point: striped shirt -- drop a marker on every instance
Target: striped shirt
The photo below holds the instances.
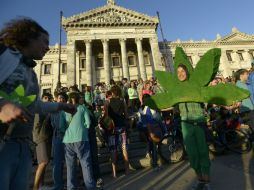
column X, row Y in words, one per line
column 192, row 111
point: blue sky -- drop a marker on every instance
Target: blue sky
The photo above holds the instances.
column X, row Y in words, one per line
column 183, row 19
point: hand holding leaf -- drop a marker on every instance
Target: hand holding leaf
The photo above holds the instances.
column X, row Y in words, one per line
column 13, row 107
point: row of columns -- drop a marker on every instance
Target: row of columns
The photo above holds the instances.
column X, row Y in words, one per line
column 105, row 42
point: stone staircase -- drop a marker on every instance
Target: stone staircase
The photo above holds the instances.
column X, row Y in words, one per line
column 137, row 151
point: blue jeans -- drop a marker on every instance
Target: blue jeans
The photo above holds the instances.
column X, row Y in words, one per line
column 15, row 165
column 94, row 153
column 80, row 150
column 58, row 163
column 152, row 149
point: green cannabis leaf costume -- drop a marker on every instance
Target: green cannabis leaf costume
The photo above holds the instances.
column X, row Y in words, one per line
column 18, row 96
column 196, row 88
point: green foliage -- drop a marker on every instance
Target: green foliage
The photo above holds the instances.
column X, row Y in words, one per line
column 195, row 89
column 207, row 67
column 18, row 96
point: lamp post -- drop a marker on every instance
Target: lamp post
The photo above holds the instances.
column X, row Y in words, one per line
column 168, row 63
column 58, row 86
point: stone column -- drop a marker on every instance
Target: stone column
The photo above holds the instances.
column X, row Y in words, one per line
column 106, row 60
column 71, row 60
column 235, row 57
column 196, row 58
column 124, row 59
column 236, row 60
column 89, row 76
column 156, row 52
column 224, row 64
column 77, row 69
column 141, row 59
column 94, row 77
column 247, row 56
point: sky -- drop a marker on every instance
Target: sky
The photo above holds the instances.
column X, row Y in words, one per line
column 180, row 19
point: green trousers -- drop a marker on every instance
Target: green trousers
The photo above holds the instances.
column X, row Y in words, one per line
column 196, row 148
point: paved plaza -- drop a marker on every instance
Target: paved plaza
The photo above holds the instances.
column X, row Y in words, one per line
column 229, row 172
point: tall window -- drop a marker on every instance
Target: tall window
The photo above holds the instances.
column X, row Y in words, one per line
column 240, row 54
column 190, row 59
column 146, row 60
column 83, row 86
column 115, row 61
column 131, row 60
column 82, row 63
column 228, row 53
column 251, row 52
column 64, row 68
column 99, row 62
column 47, row 69
column 163, row 61
column 46, row 90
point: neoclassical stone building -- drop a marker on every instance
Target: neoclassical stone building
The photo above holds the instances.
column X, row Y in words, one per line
column 109, row 42
column 237, row 50
column 115, row 42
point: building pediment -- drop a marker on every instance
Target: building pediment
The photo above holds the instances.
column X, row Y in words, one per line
column 109, row 15
column 236, row 36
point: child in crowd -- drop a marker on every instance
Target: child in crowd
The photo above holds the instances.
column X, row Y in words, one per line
column 149, row 124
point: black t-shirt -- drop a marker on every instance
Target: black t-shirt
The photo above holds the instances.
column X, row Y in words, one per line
column 116, row 111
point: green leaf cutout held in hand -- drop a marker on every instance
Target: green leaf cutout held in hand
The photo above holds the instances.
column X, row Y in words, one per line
column 18, row 96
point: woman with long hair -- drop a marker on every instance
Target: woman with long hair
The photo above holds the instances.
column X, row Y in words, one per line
column 116, row 109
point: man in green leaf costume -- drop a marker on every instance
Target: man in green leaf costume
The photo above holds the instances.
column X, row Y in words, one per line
column 188, row 89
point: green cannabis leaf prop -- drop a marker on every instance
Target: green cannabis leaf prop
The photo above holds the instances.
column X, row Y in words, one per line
column 18, row 96
column 195, row 89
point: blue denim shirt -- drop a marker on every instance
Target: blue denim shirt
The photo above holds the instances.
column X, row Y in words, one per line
column 246, row 104
column 250, row 84
column 22, row 74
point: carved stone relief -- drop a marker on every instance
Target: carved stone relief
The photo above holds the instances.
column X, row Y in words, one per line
column 109, row 17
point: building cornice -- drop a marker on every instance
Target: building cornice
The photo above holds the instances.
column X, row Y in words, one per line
column 234, row 38
column 207, row 44
column 55, row 50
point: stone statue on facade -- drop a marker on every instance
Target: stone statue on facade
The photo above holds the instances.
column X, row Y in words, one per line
column 111, row 2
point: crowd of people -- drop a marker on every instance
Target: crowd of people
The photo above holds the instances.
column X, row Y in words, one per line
column 66, row 124
column 107, row 105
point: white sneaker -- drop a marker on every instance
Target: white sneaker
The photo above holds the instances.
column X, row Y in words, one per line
column 99, row 183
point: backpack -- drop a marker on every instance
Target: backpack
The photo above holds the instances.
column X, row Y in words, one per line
column 147, row 117
column 107, row 124
column 153, row 126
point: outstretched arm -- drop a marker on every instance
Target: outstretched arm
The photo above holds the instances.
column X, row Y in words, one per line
column 10, row 112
